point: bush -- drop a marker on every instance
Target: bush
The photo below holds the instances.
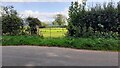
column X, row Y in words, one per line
column 79, row 43
column 99, row 21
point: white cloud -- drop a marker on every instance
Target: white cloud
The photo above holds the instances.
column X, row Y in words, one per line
column 42, row 16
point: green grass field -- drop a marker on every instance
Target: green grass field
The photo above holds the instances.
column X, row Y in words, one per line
column 53, row 32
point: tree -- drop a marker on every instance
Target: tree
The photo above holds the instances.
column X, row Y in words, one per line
column 54, row 23
column 99, row 21
column 76, row 21
column 73, row 19
column 11, row 23
column 34, row 23
column 44, row 25
column 118, row 18
column 59, row 20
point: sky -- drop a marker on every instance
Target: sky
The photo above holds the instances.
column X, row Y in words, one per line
column 44, row 10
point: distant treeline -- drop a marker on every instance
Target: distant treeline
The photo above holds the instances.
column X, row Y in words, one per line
column 100, row 20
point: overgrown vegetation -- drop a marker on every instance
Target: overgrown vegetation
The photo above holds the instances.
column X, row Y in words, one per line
column 34, row 23
column 100, row 21
column 79, row 43
column 11, row 23
column 97, row 28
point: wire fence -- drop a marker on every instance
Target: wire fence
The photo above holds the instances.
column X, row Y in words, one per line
column 53, row 32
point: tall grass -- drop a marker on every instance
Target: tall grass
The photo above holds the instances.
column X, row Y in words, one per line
column 79, row 43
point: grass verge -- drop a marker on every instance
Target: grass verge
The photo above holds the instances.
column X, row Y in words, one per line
column 79, row 43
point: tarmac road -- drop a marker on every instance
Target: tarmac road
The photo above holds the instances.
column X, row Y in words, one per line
column 55, row 56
